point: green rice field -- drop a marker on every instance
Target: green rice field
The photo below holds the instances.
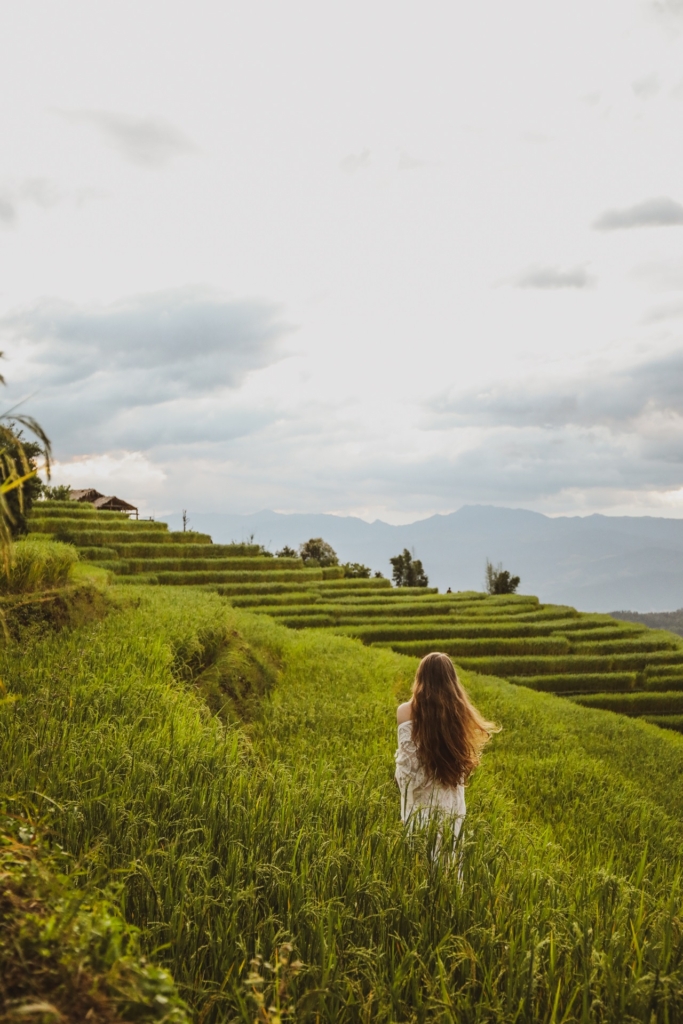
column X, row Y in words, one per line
column 227, row 783
column 552, row 648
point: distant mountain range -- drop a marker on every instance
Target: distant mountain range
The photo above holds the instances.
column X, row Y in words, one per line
column 596, row 563
column 673, row 621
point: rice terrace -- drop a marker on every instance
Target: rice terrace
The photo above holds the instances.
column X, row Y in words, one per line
column 200, row 819
column 341, row 512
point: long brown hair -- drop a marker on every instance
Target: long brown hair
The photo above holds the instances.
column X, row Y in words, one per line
column 448, row 731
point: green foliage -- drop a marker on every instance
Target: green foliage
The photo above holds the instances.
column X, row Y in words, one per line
column 271, row 567
column 585, row 681
column 470, row 647
column 18, row 459
column 188, row 578
column 510, row 666
column 286, row 552
column 669, row 682
column 317, row 552
column 545, row 647
column 38, row 565
column 635, row 703
column 674, row 722
column 356, row 571
column 407, row 571
column 672, row 621
column 19, row 484
column 59, row 492
column 499, row 580
column 68, row 954
column 232, row 840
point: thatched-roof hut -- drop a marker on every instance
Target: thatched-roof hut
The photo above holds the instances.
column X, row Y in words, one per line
column 86, row 494
column 103, row 502
column 114, row 504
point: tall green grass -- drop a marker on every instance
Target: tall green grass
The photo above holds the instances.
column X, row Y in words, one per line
column 674, row 722
column 38, row 565
column 665, row 703
column 508, row 666
column 228, row 840
column 217, row 564
column 238, row 577
column 585, row 681
column 65, row 952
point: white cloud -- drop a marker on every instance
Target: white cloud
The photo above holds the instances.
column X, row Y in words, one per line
column 652, row 213
column 406, row 162
column 647, row 86
column 555, row 277
column 36, row 191
column 309, row 125
column 129, row 469
column 147, row 370
column 355, row 162
column 146, row 141
column 616, row 400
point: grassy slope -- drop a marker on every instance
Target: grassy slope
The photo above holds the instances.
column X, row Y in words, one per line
column 230, row 840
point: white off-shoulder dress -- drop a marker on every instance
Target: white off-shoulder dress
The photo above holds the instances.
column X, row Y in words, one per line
column 421, row 797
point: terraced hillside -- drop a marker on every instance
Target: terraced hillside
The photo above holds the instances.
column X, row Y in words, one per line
column 142, row 551
column 592, row 659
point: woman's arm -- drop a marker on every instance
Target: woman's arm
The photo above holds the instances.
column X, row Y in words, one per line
column 404, row 712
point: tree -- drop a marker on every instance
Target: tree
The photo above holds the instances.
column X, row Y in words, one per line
column 18, row 461
column 17, row 469
column 407, row 571
column 317, row 551
column 356, row 571
column 286, row 552
column 499, row 580
column 60, row 492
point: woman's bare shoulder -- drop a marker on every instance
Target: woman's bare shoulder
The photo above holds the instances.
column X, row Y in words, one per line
column 404, row 712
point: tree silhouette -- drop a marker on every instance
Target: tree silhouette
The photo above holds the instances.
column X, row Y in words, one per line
column 499, row 580
column 407, row 571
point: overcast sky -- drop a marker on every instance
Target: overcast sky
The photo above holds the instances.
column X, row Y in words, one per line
column 373, row 258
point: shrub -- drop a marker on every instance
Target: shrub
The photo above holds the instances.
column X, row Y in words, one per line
column 61, row 492
column 356, row 571
column 407, row 571
column 317, row 552
column 38, row 565
column 65, row 954
column 499, row 580
column 286, row 552
column 18, row 458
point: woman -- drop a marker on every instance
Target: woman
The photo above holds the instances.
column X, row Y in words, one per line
column 440, row 739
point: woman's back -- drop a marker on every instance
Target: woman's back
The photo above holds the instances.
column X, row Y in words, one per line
column 440, row 737
column 420, row 793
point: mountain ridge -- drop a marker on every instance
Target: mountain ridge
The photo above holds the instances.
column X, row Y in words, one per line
column 595, row 562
